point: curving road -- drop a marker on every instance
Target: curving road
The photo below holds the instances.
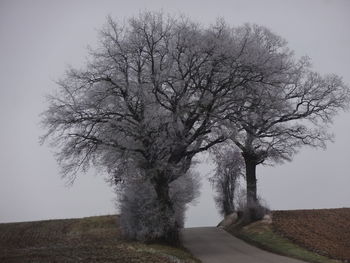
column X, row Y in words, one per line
column 214, row 245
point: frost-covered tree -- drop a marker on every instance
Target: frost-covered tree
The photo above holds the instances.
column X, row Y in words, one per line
column 288, row 107
column 146, row 102
column 141, row 218
column 225, row 180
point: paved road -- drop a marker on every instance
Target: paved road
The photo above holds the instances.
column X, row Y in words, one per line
column 214, row 245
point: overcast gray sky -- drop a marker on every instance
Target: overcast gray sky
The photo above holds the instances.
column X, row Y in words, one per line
column 38, row 39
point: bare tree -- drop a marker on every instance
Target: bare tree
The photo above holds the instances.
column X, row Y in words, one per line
column 288, row 107
column 146, row 102
column 229, row 169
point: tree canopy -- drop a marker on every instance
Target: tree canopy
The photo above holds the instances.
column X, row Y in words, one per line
column 158, row 90
column 147, row 100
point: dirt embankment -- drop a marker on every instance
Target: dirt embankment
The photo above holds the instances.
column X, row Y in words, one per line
column 325, row 231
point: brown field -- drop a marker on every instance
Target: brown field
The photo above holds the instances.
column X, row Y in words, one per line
column 92, row 239
column 324, row 231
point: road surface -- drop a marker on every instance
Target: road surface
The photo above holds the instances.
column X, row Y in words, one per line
column 214, row 245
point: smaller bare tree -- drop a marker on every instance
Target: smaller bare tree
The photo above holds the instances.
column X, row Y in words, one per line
column 225, row 181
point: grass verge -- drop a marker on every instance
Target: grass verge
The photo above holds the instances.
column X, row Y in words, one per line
column 261, row 235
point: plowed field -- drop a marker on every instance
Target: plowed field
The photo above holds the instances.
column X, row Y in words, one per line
column 324, row 231
column 92, row 239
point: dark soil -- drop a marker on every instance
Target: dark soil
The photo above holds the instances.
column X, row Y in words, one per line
column 324, row 231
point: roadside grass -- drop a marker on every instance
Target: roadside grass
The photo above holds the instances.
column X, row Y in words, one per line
column 91, row 239
column 260, row 234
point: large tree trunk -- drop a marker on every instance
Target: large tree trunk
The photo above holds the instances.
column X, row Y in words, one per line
column 161, row 182
column 250, row 164
column 255, row 211
column 171, row 227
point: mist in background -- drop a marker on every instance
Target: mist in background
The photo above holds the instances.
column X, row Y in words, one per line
column 39, row 39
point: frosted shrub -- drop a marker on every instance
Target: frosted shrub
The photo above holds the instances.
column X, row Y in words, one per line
column 141, row 216
column 144, row 218
column 253, row 211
